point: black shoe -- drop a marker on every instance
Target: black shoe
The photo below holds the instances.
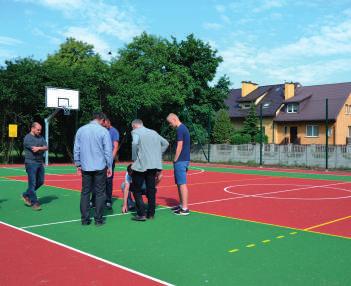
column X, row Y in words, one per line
column 176, row 208
column 151, row 217
column 139, row 218
column 108, row 206
column 182, row 212
column 87, row 222
column 99, row 223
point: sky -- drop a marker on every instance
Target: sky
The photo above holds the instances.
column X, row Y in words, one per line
column 263, row 41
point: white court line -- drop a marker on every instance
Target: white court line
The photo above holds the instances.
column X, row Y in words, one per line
column 75, row 220
column 89, row 255
column 248, row 196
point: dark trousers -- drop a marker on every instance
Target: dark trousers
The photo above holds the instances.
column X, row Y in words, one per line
column 36, row 173
column 93, row 182
column 109, row 187
column 138, row 178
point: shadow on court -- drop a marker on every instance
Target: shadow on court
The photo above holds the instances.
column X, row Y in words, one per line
column 47, row 199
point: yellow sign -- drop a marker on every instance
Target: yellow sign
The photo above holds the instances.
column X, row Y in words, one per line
column 13, row 130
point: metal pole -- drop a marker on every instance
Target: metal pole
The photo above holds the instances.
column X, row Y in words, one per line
column 326, row 134
column 261, row 134
column 209, row 137
column 47, row 140
column 47, row 120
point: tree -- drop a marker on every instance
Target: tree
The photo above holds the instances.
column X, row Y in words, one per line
column 251, row 123
column 223, row 128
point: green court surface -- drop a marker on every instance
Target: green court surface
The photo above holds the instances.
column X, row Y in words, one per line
column 200, row 249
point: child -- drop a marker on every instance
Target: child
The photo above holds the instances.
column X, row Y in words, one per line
column 127, row 185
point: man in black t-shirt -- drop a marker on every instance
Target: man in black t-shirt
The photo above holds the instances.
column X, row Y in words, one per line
column 181, row 163
column 34, row 147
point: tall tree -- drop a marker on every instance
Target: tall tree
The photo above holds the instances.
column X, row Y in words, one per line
column 251, row 123
column 223, row 129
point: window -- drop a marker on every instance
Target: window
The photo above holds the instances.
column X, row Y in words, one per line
column 349, row 127
column 246, row 105
column 292, row 108
column 266, row 105
column 285, row 130
column 312, row 130
column 347, row 109
column 330, row 132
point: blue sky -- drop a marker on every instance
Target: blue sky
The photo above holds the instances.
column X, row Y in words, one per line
column 264, row 41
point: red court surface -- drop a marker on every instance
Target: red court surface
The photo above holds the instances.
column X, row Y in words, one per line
column 290, row 202
column 40, row 262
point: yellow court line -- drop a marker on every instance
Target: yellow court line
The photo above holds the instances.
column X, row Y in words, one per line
column 328, row 222
column 266, row 241
column 250, row 245
column 280, row 236
column 233, row 250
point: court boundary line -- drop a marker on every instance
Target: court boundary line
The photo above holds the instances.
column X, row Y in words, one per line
column 327, row 223
column 89, row 255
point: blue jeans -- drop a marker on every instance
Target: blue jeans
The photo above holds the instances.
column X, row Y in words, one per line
column 36, row 173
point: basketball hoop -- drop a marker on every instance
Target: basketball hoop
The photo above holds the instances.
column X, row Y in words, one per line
column 66, row 110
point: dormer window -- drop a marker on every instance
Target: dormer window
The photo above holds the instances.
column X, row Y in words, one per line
column 245, row 105
column 292, row 108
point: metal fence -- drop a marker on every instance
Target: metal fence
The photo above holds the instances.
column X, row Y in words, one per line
column 339, row 156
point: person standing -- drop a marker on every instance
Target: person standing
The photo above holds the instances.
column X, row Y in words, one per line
column 93, row 158
column 147, row 149
column 34, row 148
column 114, row 134
column 181, row 163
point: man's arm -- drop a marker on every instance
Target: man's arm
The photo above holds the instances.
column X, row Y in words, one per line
column 125, row 197
column 135, row 145
column 76, row 151
column 178, row 150
column 115, row 150
column 164, row 144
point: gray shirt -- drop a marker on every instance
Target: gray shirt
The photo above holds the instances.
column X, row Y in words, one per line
column 92, row 147
column 147, row 149
column 33, row 141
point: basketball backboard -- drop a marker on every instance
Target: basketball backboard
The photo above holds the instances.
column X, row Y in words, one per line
column 61, row 98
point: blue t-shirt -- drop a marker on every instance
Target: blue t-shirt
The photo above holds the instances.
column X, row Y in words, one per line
column 113, row 134
column 184, row 135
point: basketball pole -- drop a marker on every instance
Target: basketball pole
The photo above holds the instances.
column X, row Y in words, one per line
column 47, row 123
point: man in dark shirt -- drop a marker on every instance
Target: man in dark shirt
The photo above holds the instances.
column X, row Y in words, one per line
column 34, row 148
column 181, row 163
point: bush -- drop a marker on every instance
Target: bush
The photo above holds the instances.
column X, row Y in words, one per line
column 239, row 138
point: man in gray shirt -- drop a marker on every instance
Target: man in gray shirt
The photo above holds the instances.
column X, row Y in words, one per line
column 93, row 158
column 34, row 147
column 147, row 149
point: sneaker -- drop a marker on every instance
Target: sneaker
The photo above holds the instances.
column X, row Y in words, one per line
column 36, row 207
column 27, row 201
column 150, row 217
column 176, row 208
column 139, row 218
column 87, row 222
column 99, row 223
column 108, row 206
column 182, row 212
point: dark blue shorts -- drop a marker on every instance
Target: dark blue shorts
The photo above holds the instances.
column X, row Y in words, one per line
column 180, row 170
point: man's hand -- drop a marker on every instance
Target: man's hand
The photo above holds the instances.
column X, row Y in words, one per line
column 36, row 149
column 124, row 208
column 109, row 173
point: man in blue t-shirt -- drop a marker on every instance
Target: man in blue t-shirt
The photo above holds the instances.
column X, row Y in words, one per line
column 181, row 163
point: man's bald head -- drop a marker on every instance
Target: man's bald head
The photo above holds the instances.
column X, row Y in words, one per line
column 173, row 120
column 35, row 129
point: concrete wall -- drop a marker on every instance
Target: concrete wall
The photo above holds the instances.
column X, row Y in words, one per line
column 289, row 155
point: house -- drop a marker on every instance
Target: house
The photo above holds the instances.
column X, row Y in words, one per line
column 303, row 120
column 271, row 97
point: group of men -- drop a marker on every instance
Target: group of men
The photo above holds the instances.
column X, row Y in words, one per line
column 95, row 150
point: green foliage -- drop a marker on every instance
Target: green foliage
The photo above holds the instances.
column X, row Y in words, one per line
column 149, row 78
column 258, row 138
column 251, row 124
column 223, row 128
column 240, row 138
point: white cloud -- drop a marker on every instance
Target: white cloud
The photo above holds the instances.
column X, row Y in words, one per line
column 97, row 17
column 83, row 34
column 212, row 26
column 9, row 41
column 268, row 5
column 309, row 59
